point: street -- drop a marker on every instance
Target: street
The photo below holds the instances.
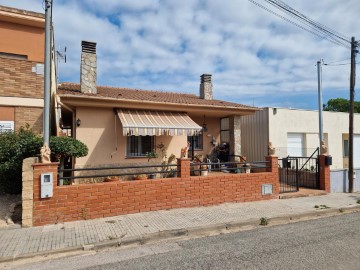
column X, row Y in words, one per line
column 327, row 243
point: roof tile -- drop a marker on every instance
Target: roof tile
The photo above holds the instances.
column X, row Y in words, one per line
column 73, row 89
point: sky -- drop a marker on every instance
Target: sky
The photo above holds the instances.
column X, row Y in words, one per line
column 255, row 58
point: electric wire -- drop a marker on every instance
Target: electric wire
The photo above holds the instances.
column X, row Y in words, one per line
column 286, row 8
column 316, row 29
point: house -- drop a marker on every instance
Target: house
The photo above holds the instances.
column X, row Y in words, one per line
column 21, row 69
column 296, row 133
column 121, row 125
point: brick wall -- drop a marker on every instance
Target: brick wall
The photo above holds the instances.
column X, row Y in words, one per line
column 31, row 116
column 18, row 79
column 124, row 197
column 324, row 172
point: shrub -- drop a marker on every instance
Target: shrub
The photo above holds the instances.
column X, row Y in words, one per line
column 14, row 147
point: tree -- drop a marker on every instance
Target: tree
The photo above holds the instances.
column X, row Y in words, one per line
column 340, row 105
column 16, row 146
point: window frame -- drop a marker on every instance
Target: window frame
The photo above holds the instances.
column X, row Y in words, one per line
column 346, row 148
column 138, row 153
column 224, row 130
column 200, row 135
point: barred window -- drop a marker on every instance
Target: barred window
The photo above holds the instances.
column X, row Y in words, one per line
column 198, row 141
column 138, row 146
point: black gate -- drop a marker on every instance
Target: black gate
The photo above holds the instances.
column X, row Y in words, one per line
column 295, row 172
column 288, row 175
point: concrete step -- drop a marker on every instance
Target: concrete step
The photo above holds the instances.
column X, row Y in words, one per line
column 302, row 193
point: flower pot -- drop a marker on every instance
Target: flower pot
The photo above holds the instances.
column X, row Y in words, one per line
column 204, row 173
column 140, row 177
column 112, row 179
column 152, row 176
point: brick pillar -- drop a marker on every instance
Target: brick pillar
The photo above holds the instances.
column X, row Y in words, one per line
column 272, row 163
column 274, row 169
column 184, row 167
column 40, row 168
column 324, row 172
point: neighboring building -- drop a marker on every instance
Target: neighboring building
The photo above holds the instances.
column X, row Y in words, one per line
column 296, row 133
column 120, row 125
column 21, row 69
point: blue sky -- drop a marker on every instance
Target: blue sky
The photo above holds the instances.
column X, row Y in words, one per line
column 255, row 58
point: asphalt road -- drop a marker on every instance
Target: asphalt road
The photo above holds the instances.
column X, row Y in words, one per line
column 327, row 243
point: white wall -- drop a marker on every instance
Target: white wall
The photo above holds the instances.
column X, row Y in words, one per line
column 258, row 130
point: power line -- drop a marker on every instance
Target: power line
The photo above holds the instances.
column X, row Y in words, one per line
column 287, row 9
column 316, row 29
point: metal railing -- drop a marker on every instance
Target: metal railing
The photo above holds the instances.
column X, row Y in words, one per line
column 235, row 167
column 66, row 176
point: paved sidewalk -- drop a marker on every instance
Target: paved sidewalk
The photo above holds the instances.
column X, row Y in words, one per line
column 132, row 228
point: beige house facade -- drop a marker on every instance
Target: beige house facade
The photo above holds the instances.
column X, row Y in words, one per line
column 296, row 133
column 120, row 125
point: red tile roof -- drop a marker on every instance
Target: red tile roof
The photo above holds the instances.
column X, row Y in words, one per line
column 72, row 89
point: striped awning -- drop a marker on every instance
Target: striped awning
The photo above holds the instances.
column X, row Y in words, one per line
column 156, row 123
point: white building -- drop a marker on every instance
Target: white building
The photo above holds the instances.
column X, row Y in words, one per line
column 296, row 133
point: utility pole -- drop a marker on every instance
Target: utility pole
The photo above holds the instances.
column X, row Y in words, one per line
column 351, row 115
column 319, row 70
column 47, row 73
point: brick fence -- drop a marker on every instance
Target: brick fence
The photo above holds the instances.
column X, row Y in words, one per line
column 89, row 201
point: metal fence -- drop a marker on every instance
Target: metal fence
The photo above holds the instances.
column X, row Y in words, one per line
column 153, row 171
column 103, row 174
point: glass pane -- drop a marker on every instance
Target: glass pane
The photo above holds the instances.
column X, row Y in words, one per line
column 198, row 141
column 224, row 124
column 147, row 144
column 346, row 148
column 225, row 136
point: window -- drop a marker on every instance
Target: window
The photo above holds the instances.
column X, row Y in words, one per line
column 198, row 141
column 346, row 148
column 6, row 126
column 138, row 146
column 224, row 130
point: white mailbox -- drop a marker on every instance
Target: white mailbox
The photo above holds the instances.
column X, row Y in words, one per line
column 46, row 185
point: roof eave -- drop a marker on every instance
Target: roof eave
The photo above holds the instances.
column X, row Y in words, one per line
column 127, row 103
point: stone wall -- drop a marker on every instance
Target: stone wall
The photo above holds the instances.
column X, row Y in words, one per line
column 28, row 191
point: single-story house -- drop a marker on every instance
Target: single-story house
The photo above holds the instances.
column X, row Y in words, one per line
column 295, row 132
column 121, row 125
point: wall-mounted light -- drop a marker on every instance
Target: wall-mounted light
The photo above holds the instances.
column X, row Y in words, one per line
column 78, row 122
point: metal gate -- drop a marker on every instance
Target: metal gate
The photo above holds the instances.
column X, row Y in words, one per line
column 296, row 172
column 288, row 175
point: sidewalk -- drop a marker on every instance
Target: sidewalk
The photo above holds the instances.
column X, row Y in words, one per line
column 142, row 227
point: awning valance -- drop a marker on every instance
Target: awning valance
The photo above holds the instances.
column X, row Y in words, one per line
column 156, row 123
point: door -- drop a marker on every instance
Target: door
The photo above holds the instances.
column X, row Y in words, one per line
column 295, row 144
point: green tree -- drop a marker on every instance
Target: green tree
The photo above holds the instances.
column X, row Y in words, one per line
column 341, row 105
column 16, row 146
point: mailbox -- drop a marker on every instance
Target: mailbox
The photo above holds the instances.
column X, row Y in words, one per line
column 46, row 185
column 328, row 160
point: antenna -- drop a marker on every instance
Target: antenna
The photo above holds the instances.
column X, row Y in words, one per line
column 60, row 56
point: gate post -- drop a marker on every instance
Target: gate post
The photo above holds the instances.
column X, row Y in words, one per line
column 183, row 167
column 324, row 174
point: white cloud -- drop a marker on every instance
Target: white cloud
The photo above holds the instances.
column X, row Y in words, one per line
column 167, row 45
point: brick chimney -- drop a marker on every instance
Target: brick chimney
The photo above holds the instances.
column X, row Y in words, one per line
column 206, row 91
column 88, row 67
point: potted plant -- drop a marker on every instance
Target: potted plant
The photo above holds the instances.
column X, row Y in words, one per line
column 112, row 179
column 152, row 155
column 140, row 177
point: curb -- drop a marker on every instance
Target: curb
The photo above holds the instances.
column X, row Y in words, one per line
column 199, row 231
